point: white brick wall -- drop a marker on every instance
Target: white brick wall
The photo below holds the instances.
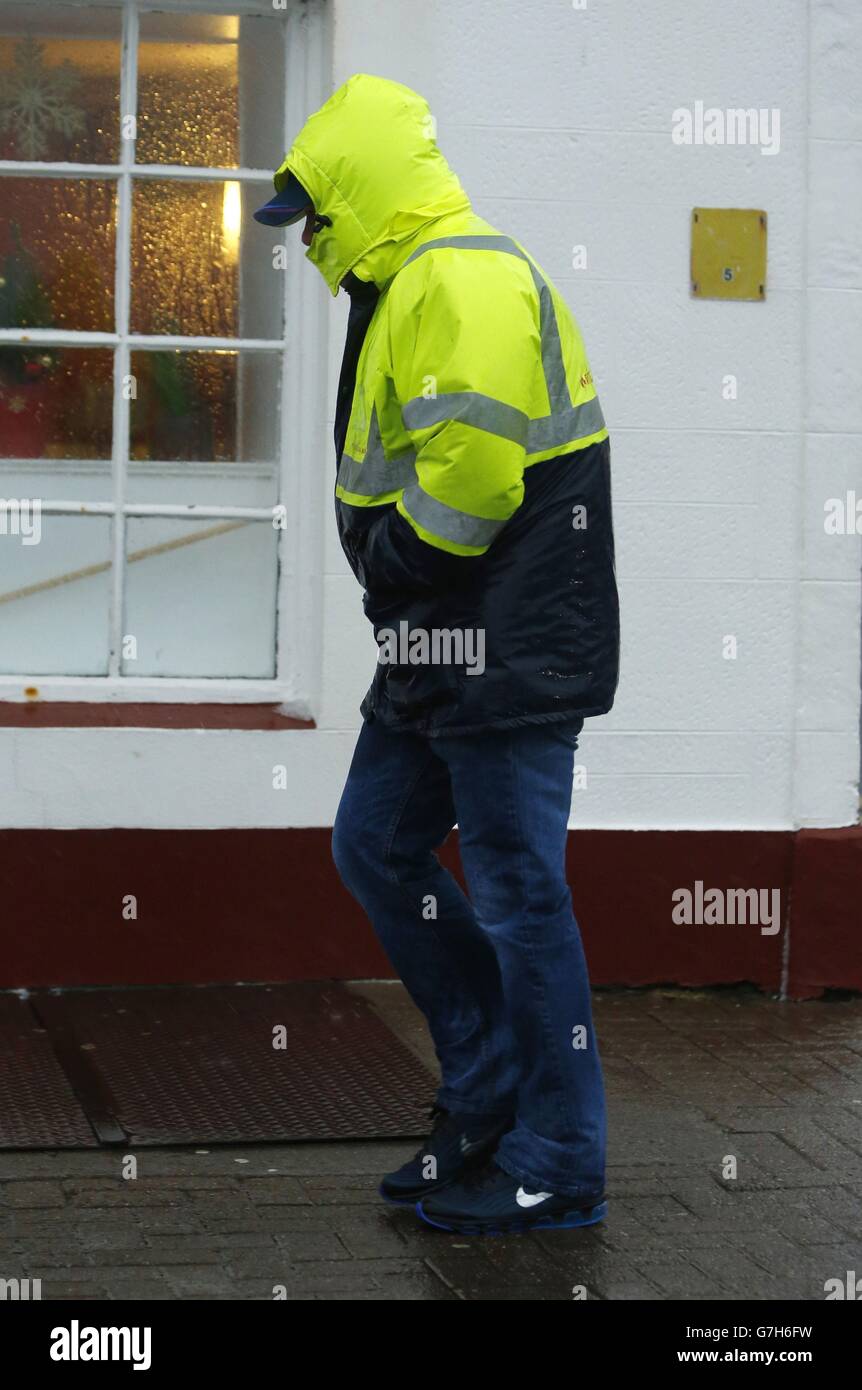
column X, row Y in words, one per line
column 558, row 121
column 825, row 770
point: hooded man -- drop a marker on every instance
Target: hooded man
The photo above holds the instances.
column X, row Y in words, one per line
column 473, row 505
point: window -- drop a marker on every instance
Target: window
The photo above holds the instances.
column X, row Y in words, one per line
column 146, row 437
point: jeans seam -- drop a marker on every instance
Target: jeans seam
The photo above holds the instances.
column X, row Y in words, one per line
column 396, row 820
column 528, row 940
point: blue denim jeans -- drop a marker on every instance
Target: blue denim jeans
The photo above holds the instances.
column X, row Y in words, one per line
column 500, row 977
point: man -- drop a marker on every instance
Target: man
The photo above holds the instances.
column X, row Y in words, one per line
column 473, row 504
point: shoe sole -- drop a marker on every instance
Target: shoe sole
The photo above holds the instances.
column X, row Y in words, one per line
column 564, row 1221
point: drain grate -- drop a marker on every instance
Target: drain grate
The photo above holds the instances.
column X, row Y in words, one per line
column 38, row 1108
column 224, row 1064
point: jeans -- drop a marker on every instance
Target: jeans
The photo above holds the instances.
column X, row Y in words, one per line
column 500, row 977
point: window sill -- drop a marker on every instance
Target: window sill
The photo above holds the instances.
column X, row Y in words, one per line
column 63, row 714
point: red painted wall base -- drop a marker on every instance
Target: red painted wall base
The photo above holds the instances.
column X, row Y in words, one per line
column 267, row 905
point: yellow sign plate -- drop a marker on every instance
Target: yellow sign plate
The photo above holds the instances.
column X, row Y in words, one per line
column 728, row 253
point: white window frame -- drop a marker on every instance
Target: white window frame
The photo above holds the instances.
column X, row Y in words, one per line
column 295, row 685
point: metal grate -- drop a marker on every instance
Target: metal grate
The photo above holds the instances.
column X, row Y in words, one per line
column 38, row 1107
column 193, row 1065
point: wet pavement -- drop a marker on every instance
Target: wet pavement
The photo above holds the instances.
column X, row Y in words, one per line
column 735, row 1172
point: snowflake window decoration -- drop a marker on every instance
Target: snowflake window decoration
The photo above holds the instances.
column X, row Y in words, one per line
column 37, row 100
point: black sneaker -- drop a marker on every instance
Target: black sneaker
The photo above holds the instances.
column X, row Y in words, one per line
column 456, row 1145
column 491, row 1203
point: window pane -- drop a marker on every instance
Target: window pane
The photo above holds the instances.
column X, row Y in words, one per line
column 212, row 406
column 196, row 74
column 59, row 83
column 201, row 265
column 57, row 253
column 56, row 403
column 54, row 598
column 200, row 597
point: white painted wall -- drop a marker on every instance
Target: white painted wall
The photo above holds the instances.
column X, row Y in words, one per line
column 558, row 121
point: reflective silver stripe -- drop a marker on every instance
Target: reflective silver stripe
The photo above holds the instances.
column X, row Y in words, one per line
column 470, row 243
column 447, row 522
column 577, row 422
column 375, row 474
column 473, row 408
column 564, row 426
column 385, row 475
column 552, row 348
column 559, row 395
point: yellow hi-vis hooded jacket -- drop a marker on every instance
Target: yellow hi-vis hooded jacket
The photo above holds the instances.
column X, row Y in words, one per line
column 473, row 484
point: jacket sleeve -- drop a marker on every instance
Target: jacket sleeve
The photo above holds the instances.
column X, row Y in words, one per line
column 465, row 350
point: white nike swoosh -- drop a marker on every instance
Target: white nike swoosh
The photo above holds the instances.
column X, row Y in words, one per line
column 531, row 1199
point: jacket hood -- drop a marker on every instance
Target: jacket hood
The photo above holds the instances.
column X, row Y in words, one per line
column 370, row 162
